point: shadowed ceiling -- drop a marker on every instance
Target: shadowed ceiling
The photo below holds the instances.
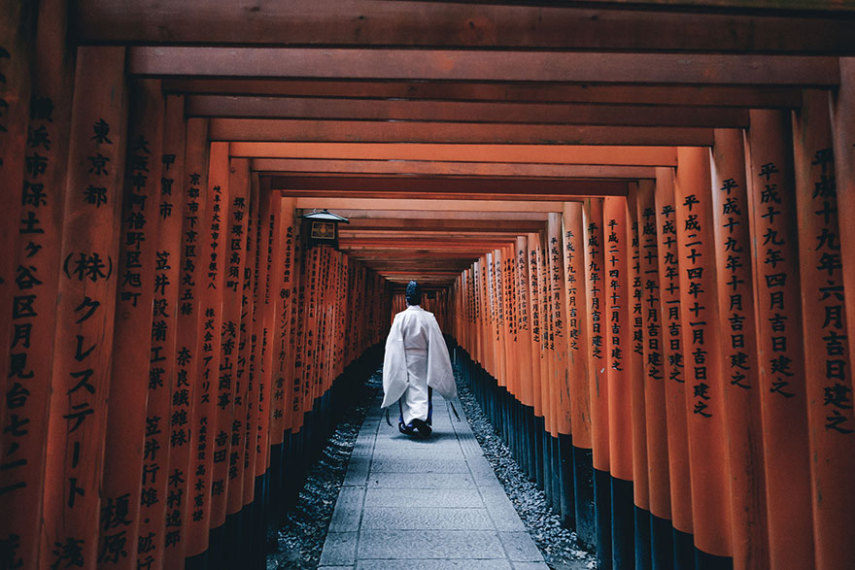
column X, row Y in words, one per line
column 446, row 129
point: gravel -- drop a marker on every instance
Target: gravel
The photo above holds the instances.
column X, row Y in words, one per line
column 298, row 542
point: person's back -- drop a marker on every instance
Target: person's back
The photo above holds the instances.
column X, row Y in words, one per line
column 416, row 357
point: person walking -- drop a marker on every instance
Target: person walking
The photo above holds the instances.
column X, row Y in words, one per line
column 416, row 362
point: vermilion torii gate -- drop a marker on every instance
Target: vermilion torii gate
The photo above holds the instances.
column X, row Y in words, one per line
column 631, row 217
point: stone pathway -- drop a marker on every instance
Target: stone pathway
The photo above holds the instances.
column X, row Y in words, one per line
column 424, row 504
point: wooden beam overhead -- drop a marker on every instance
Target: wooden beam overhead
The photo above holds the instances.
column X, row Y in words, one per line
column 425, row 186
column 430, row 208
column 295, row 130
column 470, row 112
column 357, row 225
column 430, row 168
column 458, row 25
column 427, row 64
column 748, row 96
column 501, row 153
column 435, row 216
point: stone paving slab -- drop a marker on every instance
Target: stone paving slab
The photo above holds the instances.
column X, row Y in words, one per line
column 433, row 504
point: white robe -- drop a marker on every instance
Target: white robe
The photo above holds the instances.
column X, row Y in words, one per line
column 416, row 358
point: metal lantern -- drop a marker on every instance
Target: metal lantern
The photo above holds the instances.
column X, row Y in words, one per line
column 321, row 227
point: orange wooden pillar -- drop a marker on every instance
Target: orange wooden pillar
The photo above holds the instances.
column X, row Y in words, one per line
column 618, row 336
column 656, row 429
column 239, row 282
column 635, row 370
column 577, row 362
column 598, row 363
column 127, row 446
column 828, row 367
column 562, row 441
column 738, row 338
column 780, row 353
column 673, row 351
column 843, row 135
column 256, row 262
column 231, row 256
column 35, row 274
column 270, row 427
column 19, row 160
column 85, row 311
column 708, row 454
column 187, row 385
column 538, row 362
column 204, row 423
column 161, row 498
column 227, row 337
column 523, row 324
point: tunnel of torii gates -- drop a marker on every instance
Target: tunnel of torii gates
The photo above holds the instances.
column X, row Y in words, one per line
column 649, row 297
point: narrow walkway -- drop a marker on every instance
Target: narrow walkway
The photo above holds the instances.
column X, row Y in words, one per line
column 433, row 504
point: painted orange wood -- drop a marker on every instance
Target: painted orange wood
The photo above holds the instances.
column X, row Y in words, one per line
column 828, row 363
column 738, row 337
column 537, row 325
column 524, row 318
column 618, row 336
column 205, row 430
column 159, row 529
column 673, row 350
column 239, row 281
column 17, row 34
column 597, row 328
column 780, row 353
column 126, row 487
column 188, row 384
column 262, row 440
column 576, row 320
column 256, row 263
column 85, row 312
column 35, row 260
column 635, row 356
column 654, row 365
column 705, row 417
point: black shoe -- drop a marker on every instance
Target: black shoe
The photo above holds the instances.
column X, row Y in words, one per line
column 422, row 427
column 405, row 429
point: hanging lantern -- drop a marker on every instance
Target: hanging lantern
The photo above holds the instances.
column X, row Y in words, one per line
column 321, row 227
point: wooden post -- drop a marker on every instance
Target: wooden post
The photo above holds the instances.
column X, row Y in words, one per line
column 259, row 441
column 708, row 455
column 675, row 396
column 597, row 325
column 256, row 261
column 577, row 358
column 241, row 237
column 656, row 429
column 19, row 160
column 828, row 368
column 162, row 483
column 85, row 311
column 635, row 367
column 596, row 328
column 127, row 444
column 231, row 260
column 738, row 337
column 524, row 323
column 208, row 341
column 843, row 135
column 619, row 381
column 187, row 385
column 774, row 252
column 36, row 269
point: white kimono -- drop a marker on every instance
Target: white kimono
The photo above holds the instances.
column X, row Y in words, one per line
column 416, row 358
